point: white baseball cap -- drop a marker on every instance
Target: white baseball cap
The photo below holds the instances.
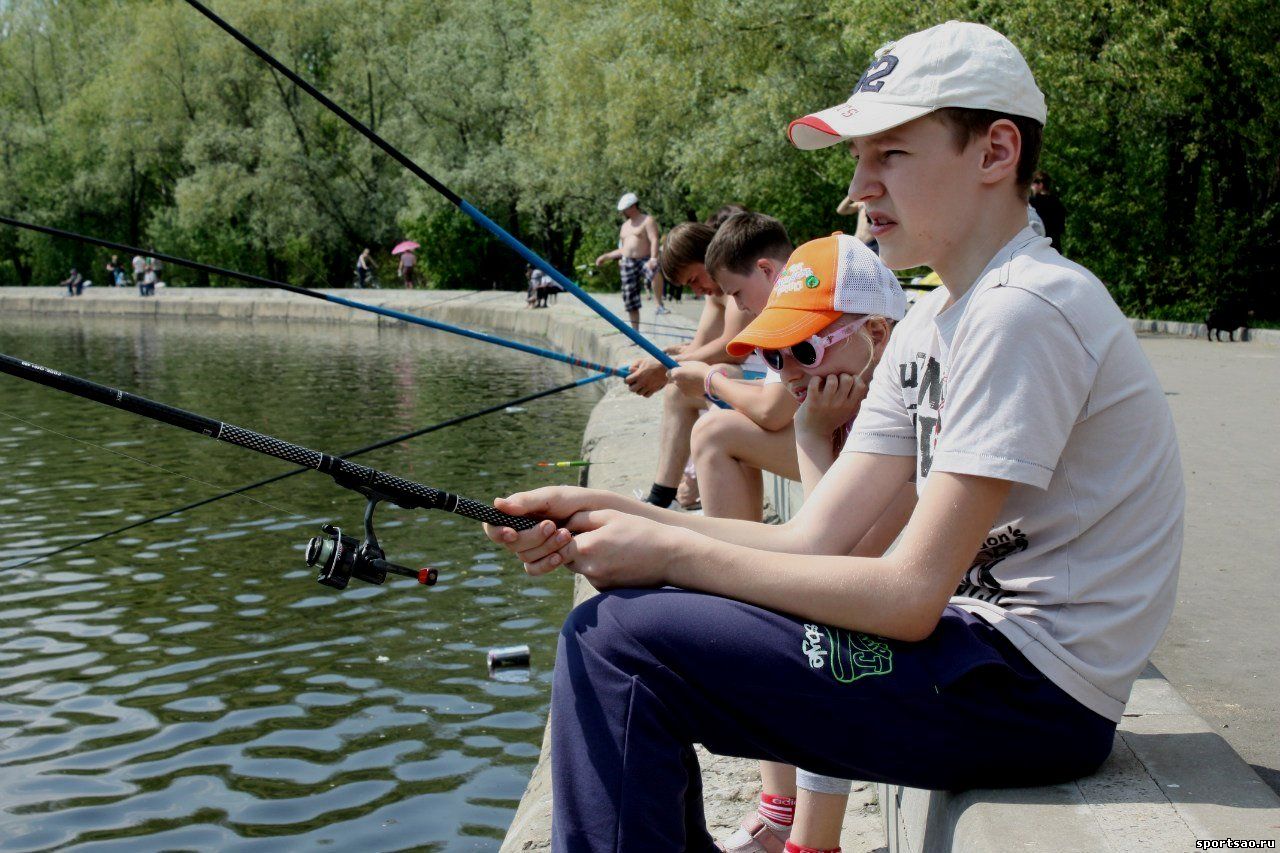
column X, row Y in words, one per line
column 955, row 64
column 626, row 201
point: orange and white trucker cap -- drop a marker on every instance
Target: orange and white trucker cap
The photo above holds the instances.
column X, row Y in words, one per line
column 955, row 64
column 822, row 280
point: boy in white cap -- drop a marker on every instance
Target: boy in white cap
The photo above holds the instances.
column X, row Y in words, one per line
column 637, row 255
column 997, row 643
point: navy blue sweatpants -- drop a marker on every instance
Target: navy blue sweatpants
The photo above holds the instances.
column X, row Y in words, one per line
column 642, row 675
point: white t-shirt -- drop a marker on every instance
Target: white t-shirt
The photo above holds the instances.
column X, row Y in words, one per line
column 1035, row 377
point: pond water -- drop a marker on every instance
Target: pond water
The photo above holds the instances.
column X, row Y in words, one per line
column 188, row 684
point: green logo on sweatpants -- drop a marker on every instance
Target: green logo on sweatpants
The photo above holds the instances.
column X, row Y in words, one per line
column 852, row 655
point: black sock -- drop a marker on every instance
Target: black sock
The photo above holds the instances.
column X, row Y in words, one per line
column 661, row 495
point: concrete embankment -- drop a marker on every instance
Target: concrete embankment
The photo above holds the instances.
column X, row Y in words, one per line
column 1172, row 779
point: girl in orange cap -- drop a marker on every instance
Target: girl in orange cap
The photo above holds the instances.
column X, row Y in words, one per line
column 824, row 330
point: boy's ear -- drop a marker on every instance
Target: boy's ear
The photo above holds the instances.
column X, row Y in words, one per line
column 768, row 266
column 1001, row 148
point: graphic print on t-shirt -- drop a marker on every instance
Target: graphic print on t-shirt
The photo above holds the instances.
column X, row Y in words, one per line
column 924, row 393
column 979, row 581
column 922, row 381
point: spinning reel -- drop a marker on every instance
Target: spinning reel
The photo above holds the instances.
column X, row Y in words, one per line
column 340, row 558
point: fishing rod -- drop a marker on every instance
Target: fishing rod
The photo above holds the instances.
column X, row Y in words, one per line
column 528, row 398
column 316, row 294
column 337, row 557
column 453, row 198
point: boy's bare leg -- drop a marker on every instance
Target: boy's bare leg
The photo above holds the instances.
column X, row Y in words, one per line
column 730, row 450
column 679, row 413
column 819, row 819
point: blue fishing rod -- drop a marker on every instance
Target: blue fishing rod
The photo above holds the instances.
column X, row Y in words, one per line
column 315, row 294
column 453, row 198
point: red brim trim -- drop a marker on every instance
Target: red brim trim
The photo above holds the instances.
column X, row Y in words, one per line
column 813, row 122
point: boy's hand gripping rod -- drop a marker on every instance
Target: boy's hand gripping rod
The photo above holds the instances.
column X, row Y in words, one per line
column 338, row 557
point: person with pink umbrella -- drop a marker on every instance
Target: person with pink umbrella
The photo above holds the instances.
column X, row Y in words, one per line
column 408, row 260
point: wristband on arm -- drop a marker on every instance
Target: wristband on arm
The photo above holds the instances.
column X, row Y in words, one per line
column 706, row 383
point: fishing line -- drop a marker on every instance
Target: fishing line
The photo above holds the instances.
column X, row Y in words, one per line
column 453, row 198
column 116, row 452
column 285, row 475
column 338, row 557
column 316, row 294
column 669, row 326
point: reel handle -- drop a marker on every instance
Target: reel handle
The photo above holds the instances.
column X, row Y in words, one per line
column 426, row 577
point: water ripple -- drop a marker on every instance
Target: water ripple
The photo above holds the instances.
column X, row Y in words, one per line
column 187, row 685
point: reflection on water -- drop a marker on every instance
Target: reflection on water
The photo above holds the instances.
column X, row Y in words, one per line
column 188, row 684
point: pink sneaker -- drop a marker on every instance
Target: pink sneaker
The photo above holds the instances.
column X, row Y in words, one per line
column 756, row 836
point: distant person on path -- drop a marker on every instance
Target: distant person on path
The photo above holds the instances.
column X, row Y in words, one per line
column 1046, row 203
column 113, row 271
column 408, row 261
column 364, row 269
column 74, row 283
column 149, row 279
column 547, row 287
column 637, row 254
column 139, row 267
column 531, row 277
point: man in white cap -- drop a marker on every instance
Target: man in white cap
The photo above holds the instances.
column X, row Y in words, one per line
column 1035, row 576
column 637, row 256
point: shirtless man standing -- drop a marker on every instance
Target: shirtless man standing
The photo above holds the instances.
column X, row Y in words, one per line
column 636, row 254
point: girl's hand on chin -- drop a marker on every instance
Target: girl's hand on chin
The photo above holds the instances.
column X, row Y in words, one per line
column 830, row 403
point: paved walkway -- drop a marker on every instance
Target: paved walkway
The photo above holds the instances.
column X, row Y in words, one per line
column 1222, row 650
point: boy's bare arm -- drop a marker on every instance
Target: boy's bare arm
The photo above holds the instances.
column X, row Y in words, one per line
column 733, row 321
column 900, row 596
column 720, row 323
column 710, row 322
column 771, row 406
column 844, row 507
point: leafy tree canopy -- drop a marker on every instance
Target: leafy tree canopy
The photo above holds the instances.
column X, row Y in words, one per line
column 137, row 120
